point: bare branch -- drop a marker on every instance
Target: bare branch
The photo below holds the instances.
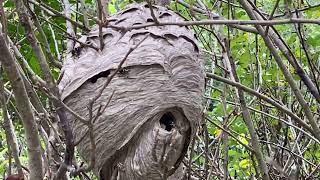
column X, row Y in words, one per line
column 216, row 16
column 9, row 129
column 284, row 48
column 222, row 22
column 46, row 8
column 230, row 134
column 248, row 121
column 110, row 77
column 267, row 99
column 152, row 12
column 24, row 20
column 272, row 116
column 24, row 107
column 285, row 72
column 84, row 13
column 52, row 59
column 70, row 29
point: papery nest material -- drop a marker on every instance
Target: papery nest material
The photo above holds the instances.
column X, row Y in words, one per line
column 156, row 102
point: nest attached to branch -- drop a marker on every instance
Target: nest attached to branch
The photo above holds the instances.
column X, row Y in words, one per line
column 156, row 100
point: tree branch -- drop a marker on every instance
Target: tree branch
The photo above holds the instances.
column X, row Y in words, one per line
column 267, row 99
column 70, row 29
column 248, row 121
column 9, row 129
column 24, row 107
column 222, row 22
column 24, row 20
column 285, row 71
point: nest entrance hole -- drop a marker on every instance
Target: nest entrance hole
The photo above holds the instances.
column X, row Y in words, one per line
column 167, row 121
column 102, row 74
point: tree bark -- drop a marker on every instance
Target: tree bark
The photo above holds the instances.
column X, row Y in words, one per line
column 24, row 108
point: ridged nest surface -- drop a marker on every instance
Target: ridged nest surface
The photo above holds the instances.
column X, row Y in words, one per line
column 157, row 96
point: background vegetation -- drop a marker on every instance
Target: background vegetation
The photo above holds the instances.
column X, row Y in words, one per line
column 262, row 58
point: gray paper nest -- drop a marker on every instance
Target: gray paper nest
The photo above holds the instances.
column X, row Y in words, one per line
column 157, row 102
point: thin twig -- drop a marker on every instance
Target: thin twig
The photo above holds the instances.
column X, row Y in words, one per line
column 110, row 77
column 221, row 22
column 102, row 20
column 285, row 71
column 272, row 116
column 152, row 12
column 265, row 98
column 70, row 28
column 45, row 7
column 230, row 134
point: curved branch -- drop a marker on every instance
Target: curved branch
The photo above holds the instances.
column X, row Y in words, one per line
column 267, row 99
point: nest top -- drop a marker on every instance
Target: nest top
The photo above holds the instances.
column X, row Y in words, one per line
column 85, row 62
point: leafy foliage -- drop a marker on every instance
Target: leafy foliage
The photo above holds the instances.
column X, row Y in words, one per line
column 288, row 151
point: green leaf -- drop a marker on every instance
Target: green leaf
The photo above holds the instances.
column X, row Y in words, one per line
column 245, row 163
column 243, row 139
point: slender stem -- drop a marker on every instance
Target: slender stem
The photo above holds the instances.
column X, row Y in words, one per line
column 222, row 22
column 24, row 107
column 248, row 121
column 9, row 129
column 267, row 99
column 285, row 71
column 70, row 28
